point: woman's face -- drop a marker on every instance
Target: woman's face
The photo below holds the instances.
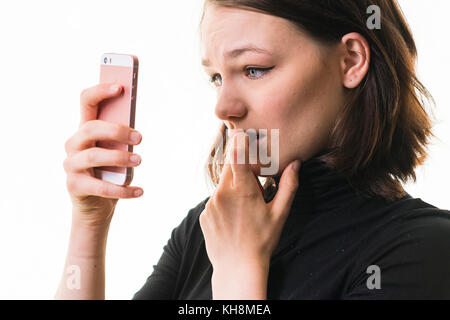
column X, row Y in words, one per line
column 300, row 95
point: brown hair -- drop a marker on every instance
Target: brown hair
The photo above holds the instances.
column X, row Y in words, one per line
column 382, row 133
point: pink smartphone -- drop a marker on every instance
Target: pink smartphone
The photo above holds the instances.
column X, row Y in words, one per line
column 121, row 69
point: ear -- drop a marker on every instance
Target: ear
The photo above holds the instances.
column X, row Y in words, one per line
column 355, row 59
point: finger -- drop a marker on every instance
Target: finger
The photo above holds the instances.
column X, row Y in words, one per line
column 231, row 133
column 99, row 130
column 91, row 97
column 287, row 188
column 240, row 166
column 226, row 176
column 97, row 157
column 84, row 185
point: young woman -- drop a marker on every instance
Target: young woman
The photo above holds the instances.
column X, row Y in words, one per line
column 334, row 221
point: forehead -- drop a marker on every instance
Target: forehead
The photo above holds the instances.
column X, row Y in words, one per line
column 225, row 28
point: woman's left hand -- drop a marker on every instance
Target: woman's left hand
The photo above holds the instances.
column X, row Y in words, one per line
column 240, row 229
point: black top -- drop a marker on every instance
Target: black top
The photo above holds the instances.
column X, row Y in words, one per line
column 335, row 244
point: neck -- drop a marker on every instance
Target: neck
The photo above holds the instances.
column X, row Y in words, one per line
column 320, row 188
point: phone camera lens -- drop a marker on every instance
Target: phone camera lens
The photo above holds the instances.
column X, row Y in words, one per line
column 105, row 60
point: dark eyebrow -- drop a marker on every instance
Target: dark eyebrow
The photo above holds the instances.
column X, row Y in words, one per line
column 237, row 52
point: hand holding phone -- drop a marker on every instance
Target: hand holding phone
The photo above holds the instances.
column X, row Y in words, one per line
column 93, row 199
column 123, row 70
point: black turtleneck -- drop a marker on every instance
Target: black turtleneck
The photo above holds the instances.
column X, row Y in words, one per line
column 335, row 244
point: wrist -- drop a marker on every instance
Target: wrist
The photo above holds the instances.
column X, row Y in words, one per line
column 245, row 266
column 87, row 241
column 245, row 280
column 96, row 220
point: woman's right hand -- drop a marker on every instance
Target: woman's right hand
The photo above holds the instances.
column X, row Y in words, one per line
column 94, row 200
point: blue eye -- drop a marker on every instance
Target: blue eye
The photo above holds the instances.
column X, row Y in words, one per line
column 247, row 70
column 213, row 78
column 263, row 70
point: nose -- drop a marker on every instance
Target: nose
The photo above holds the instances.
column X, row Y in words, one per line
column 229, row 106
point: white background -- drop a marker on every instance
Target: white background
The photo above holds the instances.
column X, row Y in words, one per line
column 50, row 51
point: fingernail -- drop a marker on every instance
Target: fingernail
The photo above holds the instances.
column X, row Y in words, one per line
column 137, row 192
column 135, row 137
column 296, row 166
column 114, row 88
column 135, row 158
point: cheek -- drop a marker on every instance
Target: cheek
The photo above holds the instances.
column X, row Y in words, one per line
column 300, row 104
column 289, row 95
column 281, row 108
column 302, row 111
column 277, row 104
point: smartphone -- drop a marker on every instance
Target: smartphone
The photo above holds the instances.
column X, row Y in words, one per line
column 121, row 69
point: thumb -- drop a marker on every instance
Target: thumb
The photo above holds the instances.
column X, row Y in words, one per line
column 287, row 188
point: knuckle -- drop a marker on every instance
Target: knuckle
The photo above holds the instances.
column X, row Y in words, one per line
column 66, row 164
column 103, row 189
column 84, row 95
column 85, row 129
column 91, row 155
column 120, row 156
column 71, row 183
column 123, row 192
column 119, row 131
column 208, row 205
column 89, row 127
column 67, row 145
column 219, row 196
column 212, row 204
